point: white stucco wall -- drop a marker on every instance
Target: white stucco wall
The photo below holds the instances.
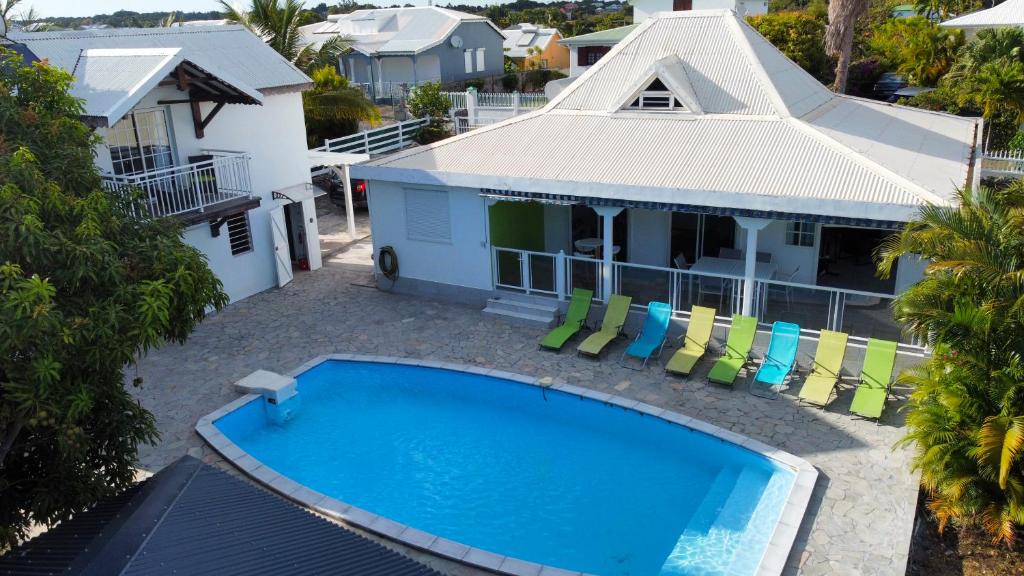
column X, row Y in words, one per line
column 463, row 261
column 643, row 9
column 650, row 233
column 574, row 62
column 274, row 136
column 772, row 238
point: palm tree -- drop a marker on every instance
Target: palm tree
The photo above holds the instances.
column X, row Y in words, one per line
column 333, row 108
column 966, row 413
column 842, row 19
column 278, row 25
column 6, row 18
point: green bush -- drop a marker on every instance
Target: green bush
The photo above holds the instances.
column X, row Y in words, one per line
column 428, row 101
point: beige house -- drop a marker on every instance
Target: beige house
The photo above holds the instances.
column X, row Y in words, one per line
column 532, row 47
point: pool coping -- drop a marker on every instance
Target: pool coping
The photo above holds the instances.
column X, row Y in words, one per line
column 772, row 563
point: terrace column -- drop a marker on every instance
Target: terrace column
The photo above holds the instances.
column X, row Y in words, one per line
column 350, row 213
column 751, row 226
column 607, row 214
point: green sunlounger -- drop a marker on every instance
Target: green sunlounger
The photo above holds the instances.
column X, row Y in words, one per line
column 614, row 318
column 737, row 350
column 875, row 379
column 579, row 307
column 824, row 376
column 695, row 341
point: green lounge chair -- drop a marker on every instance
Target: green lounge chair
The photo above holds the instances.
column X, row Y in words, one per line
column 579, row 307
column 695, row 341
column 614, row 318
column 824, row 376
column 875, row 379
column 737, row 350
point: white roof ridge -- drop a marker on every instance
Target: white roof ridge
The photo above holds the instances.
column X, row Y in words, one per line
column 760, row 74
column 882, row 171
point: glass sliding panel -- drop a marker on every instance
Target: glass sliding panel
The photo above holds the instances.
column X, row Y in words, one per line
column 808, row 307
column 584, row 274
column 140, row 142
column 645, row 285
column 542, row 272
column 870, row 317
column 510, row 271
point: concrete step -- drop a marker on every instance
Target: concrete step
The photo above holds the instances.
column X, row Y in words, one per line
column 537, row 307
column 517, row 317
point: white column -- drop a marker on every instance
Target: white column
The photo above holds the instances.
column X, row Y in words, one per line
column 471, row 106
column 350, row 212
column 560, row 274
column 750, row 226
column 607, row 214
column 515, row 103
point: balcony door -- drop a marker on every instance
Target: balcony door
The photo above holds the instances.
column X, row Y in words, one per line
column 141, row 142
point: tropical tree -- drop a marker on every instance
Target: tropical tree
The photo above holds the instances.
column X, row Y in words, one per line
column 7, row 14
column 966, row 412
column 919, row 49
column 801, row 37
column 278, row 25
column 333, row 108
column 86, row 287
column 839, row 36
column 427, row 101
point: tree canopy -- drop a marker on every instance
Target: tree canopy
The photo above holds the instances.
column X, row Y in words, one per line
column 333, row 108
column 85, row 288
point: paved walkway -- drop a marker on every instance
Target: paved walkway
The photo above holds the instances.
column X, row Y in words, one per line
column 860, row 517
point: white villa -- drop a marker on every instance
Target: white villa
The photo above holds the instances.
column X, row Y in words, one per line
column 1008, row 14
column 694, row 164
column 207, row 122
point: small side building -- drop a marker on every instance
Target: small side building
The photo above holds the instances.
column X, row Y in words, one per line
column 207, row 122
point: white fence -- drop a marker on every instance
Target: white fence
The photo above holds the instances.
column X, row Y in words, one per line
column 860, row 314
column 1003, row 163
column 378, row 140
column 188, row 188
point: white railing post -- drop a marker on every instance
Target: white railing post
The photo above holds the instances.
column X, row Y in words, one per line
column 560, row 274
column 471, row 105
column 524, row 270
column 515, row 103
column 401, row 136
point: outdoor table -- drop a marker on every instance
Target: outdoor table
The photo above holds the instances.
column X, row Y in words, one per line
column 729, row 267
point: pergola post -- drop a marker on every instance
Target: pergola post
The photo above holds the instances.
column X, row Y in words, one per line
column 350, row 216
column 751, row 226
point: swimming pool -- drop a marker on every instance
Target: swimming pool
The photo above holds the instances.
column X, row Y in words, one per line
column 560, row 477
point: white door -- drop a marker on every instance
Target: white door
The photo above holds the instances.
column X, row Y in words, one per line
column 282, row 258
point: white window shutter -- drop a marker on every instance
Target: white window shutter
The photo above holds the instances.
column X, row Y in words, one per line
column 427, row 216
column 480, row 62
column 469, row 61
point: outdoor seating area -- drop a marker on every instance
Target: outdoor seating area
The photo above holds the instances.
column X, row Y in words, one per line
column 775, row 369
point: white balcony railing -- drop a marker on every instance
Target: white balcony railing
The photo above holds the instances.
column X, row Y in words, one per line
column 189, row 188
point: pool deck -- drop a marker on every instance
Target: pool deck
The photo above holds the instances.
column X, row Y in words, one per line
column 861, row 511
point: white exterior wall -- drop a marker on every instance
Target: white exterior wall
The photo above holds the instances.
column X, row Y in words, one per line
column 650, row 236
column 644, row 9
column 464, row 261
column 574, row 63
column 274, row 136
column 772, row 238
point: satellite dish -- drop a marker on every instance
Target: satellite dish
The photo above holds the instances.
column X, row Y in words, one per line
column 456, row 41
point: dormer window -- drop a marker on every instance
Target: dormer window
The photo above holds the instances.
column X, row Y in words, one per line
column 656, row 97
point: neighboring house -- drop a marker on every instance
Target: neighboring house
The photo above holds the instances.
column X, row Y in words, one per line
column 586, row 49
column 1006, row 15
column 523, row 41
column 904, row 11
column 694, row 141
column 413, row 45
column 191, row 518
column 207, row 122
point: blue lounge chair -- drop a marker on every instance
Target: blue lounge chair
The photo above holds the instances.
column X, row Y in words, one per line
column 651, row 337
column 780, row 359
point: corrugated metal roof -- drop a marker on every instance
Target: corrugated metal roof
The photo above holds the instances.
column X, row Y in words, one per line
column 392, row 30
column 231, row 49
column 525, row 36
column 601, row 38
column 112, row 81
column 1009, row 13
column 194, row 519
column 771, row 138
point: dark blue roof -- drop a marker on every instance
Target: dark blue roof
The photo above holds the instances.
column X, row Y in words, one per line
column 194, row 519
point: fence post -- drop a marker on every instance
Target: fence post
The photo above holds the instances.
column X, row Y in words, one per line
column 366, row 141
column 560, row 274
column 524, row 271
column 515, row 103
column 471, row 105
column 401, row 137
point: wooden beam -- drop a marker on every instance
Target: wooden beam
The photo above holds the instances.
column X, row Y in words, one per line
column 182, row 79
column 200, row 123
column 209, row 117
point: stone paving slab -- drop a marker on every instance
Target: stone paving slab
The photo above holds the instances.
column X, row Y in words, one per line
column 861, row 511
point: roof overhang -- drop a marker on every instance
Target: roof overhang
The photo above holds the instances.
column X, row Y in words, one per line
column 113, row 81
column 321, row 158
column 707, row 201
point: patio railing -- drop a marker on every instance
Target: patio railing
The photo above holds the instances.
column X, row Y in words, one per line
column 378, row 140
column 188, row 188
column 860, row 314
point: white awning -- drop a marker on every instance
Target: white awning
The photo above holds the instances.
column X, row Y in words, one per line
column 298, row 193
column 321, row 158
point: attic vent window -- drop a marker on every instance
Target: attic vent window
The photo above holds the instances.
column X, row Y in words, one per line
column 656, row 97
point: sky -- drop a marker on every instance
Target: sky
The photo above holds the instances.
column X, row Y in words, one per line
column 91, row 7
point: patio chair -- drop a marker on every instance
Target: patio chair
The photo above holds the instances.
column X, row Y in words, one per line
column 786, row 291
column 737, row 350
column 680, row 262
column 713, row 285
column 778, row 362
column 824, row 375
column 730, row 253
column 651, row 337
column 764, row 257
column 611, row 326
column 875, row 379
column 575, row 317
column 695, row 341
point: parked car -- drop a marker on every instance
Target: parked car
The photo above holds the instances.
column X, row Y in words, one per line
column 909, row 92
column 888, row 84
column 336, row 191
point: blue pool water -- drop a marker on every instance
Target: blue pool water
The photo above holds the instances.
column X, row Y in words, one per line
column 493, row 464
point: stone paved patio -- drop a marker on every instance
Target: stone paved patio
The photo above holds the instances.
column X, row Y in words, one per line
column 860, row 517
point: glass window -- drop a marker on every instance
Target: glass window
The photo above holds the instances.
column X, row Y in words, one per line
column 140, row 142
column 800, row 233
